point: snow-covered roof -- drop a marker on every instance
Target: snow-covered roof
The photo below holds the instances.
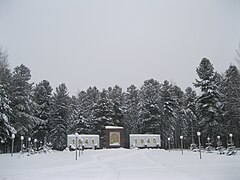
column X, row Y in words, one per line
column 84, row 135
column 113, row 127
column 141, row 135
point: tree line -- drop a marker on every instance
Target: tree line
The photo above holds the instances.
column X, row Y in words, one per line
column 35, row 110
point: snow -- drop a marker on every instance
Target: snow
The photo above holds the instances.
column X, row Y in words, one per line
column 111, row 164
column 113, row 127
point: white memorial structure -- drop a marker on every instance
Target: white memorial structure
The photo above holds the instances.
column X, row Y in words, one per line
column 86, row 140
column 145, row 140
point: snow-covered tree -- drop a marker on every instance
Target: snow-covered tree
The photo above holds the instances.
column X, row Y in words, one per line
column 21, row 94
column 6, row 128
column 231, row 92
column 131, row 114
column 77, row 122
column 168, row 112
column 87, row 102
column 5, row 74
column 150, row 114
column 209, row 102
column 42, row 96
column 190, row 111
column 178, row 117
column 115, row 95
column 102, row 116
column 59, row 117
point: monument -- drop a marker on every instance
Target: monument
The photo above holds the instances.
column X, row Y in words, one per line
column 114, row 136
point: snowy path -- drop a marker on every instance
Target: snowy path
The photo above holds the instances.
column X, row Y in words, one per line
column 119, row 164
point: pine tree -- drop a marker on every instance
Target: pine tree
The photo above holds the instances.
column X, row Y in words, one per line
column 231, row 91
column 77, row 122
column 132, row 108
column 191, row 117
column 23, row 113
column 168, row 113
column 150, row 114
column 87, row 103
column 102, row 116
column 178, row 117
column 115, row 95
column 59, row 118
column 42, row 96
column 6, row 128
column 5, row 74
column 209, row 102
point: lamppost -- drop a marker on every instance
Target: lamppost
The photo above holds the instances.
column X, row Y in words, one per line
column 192, row 134
column 82, row 145
column 231, row 149
column 208, row 148
column 231, row 142
column 76, row 136
column 219, row 145
column 22, row 138
column 79, row 147
column 181, row 137
column 13, row 136
column 35, row 144
column 199, row 143
column 2, row 141
column 168, row 143
column 219, row 142
column 29, row 141
column 40, row 145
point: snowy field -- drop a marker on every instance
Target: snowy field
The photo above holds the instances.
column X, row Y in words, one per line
column 122, row 164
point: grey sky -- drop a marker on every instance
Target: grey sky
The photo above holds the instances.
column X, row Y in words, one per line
column 107, row 42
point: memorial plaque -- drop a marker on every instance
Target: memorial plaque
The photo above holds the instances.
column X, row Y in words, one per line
column 114, row 136
column 114, row 139
column 145, row 140
column 86, row 140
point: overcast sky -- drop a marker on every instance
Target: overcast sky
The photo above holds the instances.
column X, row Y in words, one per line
column 107, row 42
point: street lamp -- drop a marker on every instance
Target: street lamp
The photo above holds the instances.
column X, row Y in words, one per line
column 76, row 136
column 208, row 139
column 13, row 136
column 35, row 144
column 219, row 145
column 181, row 137
column 2, row 141
column 79, row 147
column 82, row 145
column 231, row 139
column 199, row 142
column 168, row 143
column 22, row 138
column 208, row 148
column 40, row 144
column 29, row 140
column 219, row 141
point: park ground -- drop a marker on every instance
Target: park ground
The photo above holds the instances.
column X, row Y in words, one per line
column 120, row 164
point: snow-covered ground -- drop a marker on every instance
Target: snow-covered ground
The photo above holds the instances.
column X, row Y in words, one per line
column 113, row 164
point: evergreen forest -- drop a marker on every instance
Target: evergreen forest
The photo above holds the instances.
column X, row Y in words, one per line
column 38, row 111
